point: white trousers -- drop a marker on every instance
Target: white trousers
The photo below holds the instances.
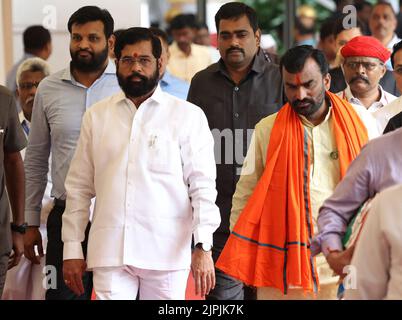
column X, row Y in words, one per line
column 26, row 280
column 124, row 283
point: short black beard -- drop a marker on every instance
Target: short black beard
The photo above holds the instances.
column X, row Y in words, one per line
column 138, row 89
column 95, row 64
column 314, row 105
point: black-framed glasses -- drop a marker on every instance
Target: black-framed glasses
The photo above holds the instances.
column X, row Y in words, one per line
column 368, row 66
column 28, row 85
column 144, row 62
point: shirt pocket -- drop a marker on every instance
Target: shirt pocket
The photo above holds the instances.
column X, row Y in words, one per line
column 163, row 154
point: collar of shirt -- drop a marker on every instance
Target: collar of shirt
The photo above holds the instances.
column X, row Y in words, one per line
column 167, row 79
column 348, row 95
column 66, row 75
column 393, row 41
column 258, row 65
column 157, row 97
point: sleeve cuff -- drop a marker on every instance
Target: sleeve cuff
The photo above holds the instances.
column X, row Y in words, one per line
column 315, row 246
column 72, row 250
column 331, row 243
column 32, row 218
column 203, row 237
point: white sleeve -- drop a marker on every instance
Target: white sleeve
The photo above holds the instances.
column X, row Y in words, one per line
column 199, row 170
column 80, row 190
column 371, row 258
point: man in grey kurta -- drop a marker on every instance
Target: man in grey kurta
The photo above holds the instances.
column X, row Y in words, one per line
column 12, row 141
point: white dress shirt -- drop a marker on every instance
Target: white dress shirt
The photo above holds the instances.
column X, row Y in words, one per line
column 378, row 253
column 153, row 173
column 385, row 99
column 385, row 114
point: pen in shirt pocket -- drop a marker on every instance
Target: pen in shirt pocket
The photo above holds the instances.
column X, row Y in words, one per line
column 153, row 140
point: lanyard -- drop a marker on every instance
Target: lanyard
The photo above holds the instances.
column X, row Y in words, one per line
column 25, row 127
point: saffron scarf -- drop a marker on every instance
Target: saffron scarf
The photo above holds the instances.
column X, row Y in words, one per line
column 270, row 243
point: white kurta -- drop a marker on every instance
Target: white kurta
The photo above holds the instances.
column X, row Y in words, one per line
column 153, row 173
column 377, row 258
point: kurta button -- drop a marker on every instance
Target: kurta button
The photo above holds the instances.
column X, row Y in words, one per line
column 236, row 115
column 236, row 88
column 334, row 155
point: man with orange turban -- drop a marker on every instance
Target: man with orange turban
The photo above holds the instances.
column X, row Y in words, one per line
column 363, row 67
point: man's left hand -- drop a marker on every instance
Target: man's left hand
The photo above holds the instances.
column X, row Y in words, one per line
column 18, row 249
column 203, row 270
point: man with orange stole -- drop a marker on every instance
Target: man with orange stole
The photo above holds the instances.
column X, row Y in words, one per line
column 296, row 158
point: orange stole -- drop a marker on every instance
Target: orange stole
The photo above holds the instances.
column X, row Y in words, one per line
column 270, row 243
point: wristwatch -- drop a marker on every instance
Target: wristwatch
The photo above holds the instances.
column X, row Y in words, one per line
column 204, row 246
column 19, row 228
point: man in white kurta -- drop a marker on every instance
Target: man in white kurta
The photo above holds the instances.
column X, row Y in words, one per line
column 377, row 259
column 148, row 158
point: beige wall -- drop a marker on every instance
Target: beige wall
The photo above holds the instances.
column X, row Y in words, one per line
column 6, row 38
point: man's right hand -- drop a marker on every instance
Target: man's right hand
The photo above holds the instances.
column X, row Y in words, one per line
column 73, row 270
column 33, row 238
column 338, row 260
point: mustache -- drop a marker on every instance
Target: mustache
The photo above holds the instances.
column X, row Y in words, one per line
column 297, row 103
column 30, row 99
column 360, row 78
column 83, row 50
column 136, row 74
column 234, row 49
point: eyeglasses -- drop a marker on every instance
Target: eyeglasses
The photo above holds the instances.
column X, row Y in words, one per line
column 368, row 66
column 28, row 85
column 128, row 62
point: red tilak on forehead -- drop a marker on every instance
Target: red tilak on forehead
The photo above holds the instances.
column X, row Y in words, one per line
column 298, row 80
column 135, row 55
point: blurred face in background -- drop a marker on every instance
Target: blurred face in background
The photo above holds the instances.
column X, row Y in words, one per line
column 202, row 37
column 184, row 37
column 345, row 36
column 382, row 22
column 328, row 46
column 26, row 90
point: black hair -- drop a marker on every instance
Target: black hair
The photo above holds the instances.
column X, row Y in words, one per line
column 395, row 49
column 135, row 35
column 35, row 38
column 182, row 21
column 295, row 58
column 160, row 34
column 327, row 29
column 117, row 33
column 92, row 13
column 234, row 11
column 360, row 6
column 339, row 26
column 202, row 25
